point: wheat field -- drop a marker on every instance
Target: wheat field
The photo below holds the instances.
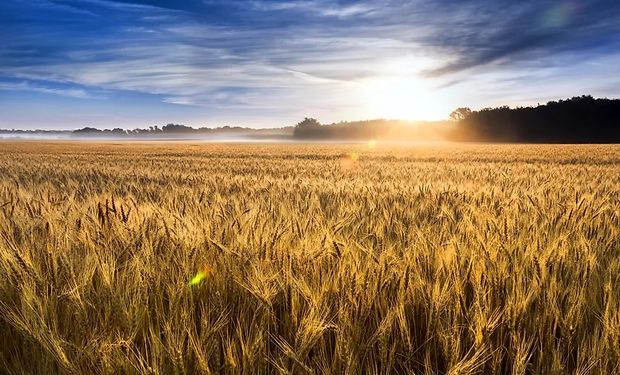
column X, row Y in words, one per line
column 181, row 258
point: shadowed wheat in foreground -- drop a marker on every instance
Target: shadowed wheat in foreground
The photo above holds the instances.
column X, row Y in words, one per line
column 180, row 258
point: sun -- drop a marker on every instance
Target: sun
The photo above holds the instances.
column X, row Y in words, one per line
column 400, row 98
column 398, row 91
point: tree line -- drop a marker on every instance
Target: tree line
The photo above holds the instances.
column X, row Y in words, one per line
column 312, row 129
column 580, row 119
column 180, row 130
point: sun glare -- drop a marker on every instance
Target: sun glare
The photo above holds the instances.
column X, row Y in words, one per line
column 400, row 98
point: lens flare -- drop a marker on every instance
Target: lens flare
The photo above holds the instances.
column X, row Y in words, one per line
column 559, row 15
column 350, row 162
column 201, row 275
column 372, row 143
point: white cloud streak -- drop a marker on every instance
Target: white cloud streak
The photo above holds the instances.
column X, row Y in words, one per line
column 28, row 86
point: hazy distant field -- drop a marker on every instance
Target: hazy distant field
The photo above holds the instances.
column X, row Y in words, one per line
column 342, row 259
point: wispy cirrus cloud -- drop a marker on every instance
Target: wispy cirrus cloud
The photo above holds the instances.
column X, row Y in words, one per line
column 29, row 86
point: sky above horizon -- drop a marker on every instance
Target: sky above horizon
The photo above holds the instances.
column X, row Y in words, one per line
column 66, row 64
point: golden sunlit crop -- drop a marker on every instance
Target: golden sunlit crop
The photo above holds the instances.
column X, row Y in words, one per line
column 164, row 258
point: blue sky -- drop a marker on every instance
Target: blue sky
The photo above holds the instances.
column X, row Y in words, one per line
column 67, row 64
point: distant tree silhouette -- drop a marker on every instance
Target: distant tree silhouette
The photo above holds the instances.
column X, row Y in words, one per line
column 117, row 131
column 175, row 128
column 309, row 128
column 460, row 114
column 580, row 119
column 87, row 131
